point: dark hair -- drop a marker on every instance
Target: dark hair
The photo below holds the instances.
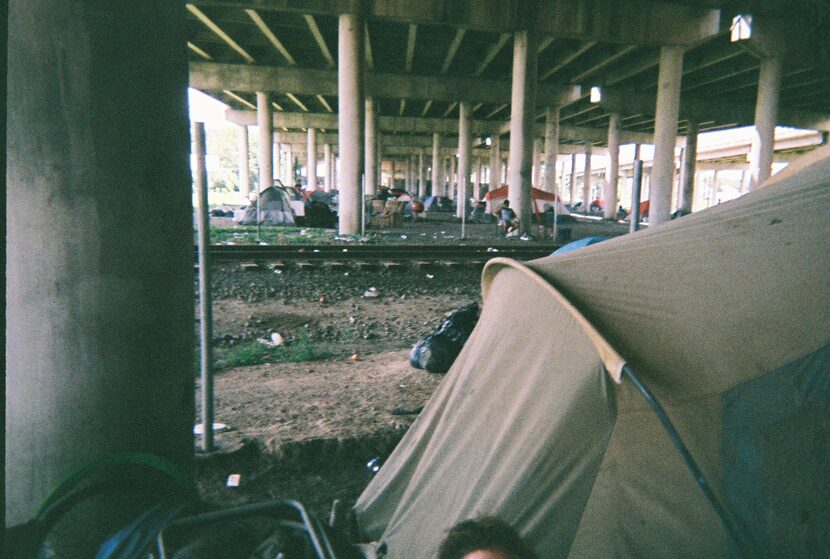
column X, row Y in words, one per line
column 506, row 203
column 486, row 533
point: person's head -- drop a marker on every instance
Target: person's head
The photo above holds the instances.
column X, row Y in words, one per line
column 484, row 538
column 506, row 203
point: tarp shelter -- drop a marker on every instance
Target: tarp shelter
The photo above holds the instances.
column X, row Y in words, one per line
column 276, row 209
column 724, row 315
column 541, row 200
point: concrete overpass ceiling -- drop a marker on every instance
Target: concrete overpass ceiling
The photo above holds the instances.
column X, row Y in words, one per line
column 719, row 78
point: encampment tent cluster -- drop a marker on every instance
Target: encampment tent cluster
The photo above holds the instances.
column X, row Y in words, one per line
column 545, row 419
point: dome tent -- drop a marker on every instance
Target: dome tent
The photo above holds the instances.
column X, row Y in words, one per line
column 276, row 209
column 724, row 315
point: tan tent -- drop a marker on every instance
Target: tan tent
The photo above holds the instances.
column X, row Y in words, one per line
column 724, row 315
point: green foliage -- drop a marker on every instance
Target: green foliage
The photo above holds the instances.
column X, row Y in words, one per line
column 255, row 353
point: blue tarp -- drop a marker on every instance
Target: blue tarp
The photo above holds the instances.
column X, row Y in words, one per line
column 584, row 242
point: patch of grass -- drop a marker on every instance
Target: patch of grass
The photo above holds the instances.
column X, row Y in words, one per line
column 254, row 353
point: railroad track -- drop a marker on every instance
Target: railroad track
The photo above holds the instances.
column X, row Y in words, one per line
column 396, row 253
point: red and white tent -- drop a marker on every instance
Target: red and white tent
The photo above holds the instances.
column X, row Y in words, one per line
column 541, row 200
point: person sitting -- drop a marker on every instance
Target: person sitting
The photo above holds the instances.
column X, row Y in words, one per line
column 477, row 213
column 507, row 218
column 484, row 538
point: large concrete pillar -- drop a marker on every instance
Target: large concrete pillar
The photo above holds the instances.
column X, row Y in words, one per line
column 422, row 183
column 537, row 157
column 410, row 168
column 465, row 147
column 551, row 147
column 495, row 162
column 665, row 133
column 311, row 158
column 572, row 189
column 99, row 353
column 264, row 122
column 587, row 179
column 523, row 102
column 327, row 167
column 437, row 180
column 244, row 168
column 476, row 177
column 350, row 120
column 371, row 160
column 766, row 114
column 612, row 173
column 687, row 181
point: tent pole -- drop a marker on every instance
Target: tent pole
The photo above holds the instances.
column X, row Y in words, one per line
column 726, row 517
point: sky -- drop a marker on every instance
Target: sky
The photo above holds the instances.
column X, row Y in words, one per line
column 204, row 108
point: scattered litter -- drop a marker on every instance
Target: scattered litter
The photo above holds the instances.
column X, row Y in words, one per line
column 303, row 231
column 345, row 274
column 402, row 385
column 233, row 480
column 492, row 249
column 430, row 276
column 526, row 237
column 403, row 296
column 276, row 340
column 351, row 320
column 403, row 236
column 277, row 271
column 373, row 465
column 355, row 357
column 199, row 428
column 371, row 293
column 262, row 243
column 345, row 250
column 316, row 250
column 323, row 299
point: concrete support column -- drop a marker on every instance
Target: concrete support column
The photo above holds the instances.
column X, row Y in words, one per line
column 265, row 133
column 665, row 133
column 409, row 174
column 327, row 167
column 766, row 115
column 523, row 103
column 422, row 183
column 454, row 178
column 465, row 147
column 551, row 147
column 586, row 180
column 612, row 173
column 495, row 162
column 573, row 179
column 350, row 120
column 437, row 182
column 687, row 181
column 476, row 177
column 393, row 172
column 311, row 159
column 244, row 168
column 371, row 171
column 99, row 320
column 537, row 159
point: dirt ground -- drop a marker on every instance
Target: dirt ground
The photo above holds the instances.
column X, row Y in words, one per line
column 306, row 430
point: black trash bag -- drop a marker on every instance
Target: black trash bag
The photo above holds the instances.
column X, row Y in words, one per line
column 437, row 352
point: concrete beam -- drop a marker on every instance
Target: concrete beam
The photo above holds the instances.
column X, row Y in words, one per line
column 646, row 22
column 398, row 124
column 587, row 134
column 702, row 109
column 212, row 76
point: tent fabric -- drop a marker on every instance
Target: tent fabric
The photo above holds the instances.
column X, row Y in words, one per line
column 276, row 209
column 724, row 314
